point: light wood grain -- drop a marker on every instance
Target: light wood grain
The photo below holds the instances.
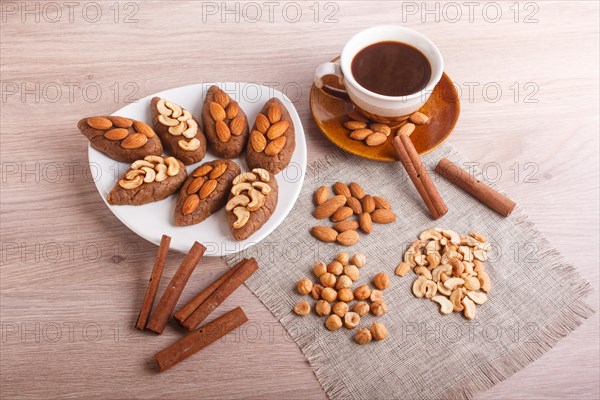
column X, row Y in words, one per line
column 76, row 292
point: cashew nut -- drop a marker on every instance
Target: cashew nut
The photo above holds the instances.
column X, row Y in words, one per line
column 141, row 163
column 192, row 145
column 155, row 159
column 166, row 121
column 472, row 283
column 244, row 177
column 452, row 236
column 433, row 259
column 457, row 266
column 455, row 299
column 131, row 184
column 432, row 247
column 150, row 174
column 177, row 130
column 417, row 287
column 478, row 266
column 172, row 166
column 160, row 106
column 444, row 268
column 445, row 305
column 240, row 187
column 192, row 129
column 451, row 283
column 133, row 173
column 263, row 187
column 467, row 253
column 161, row 170
column 423, row 271
column 480, row 254
column 240, row 200
column 469, row 308
column 263, row 173
column 442, row 289
column 176, row 109
column 469, row 241
column 484, row 281
column 185, row 116
column 468, row 268
column 430, row 234
column 243, row 215
column 430, row 289
column 420, row 259
column 477, row 297
column 258, row 200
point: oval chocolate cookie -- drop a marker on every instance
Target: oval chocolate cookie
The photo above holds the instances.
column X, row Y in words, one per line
column 178, row 130
column 205, row 191
column 272, row 139
column 252, row 201
column 225, row 124
column 120, row 138
column 152, row 179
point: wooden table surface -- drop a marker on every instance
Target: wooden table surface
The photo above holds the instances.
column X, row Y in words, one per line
column 73, row 277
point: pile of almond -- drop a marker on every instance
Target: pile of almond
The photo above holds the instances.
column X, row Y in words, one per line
column 228, row 120
column 348, row 200
column 269, row 133
column 375, row 133
column 450, row 269
column 334, row 294
column 132, row 134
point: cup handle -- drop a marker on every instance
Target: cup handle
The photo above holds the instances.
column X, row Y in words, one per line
column 330, row 68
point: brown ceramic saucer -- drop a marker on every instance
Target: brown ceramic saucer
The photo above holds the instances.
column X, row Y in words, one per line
column 443, row 108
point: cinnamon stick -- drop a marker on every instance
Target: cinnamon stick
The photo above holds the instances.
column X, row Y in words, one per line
column 187, row 310
column 168, row 301
column 157, row 270
column 199, row 339
column 482, row 192
column 409, row 157
column 221, row 293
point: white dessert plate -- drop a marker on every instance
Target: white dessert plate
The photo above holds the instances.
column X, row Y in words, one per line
column 151, row 221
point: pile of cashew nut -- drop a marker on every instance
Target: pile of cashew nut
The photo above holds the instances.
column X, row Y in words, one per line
column 150, row 169
column 450, row 270
column 250, row 191
column 180, row 122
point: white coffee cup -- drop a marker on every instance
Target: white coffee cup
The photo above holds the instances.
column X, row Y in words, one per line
column 378, row 107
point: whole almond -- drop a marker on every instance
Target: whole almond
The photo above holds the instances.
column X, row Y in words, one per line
column 375, row 139
column 341, row 214
column 99, row 123
column 418, row 118
column 368, row 204
column 207, row 188
column 134, row 141
column 116, row 134
column 277, row 129
column 324, row 233
column 274, row 113
column 203, row 170
column 327, row 209
column 258, row 141
column 223, row 132
column 365, row 222
column 321, row 195
column 347, row 238
column 383, row 216
column 275, row 146
column 347, row 225
column 381, row 128
column 354, row 125
column 190, row 204
column 356, row 190
column 356, row 115
column 262, row 123
column 217, row 171
column 360, row 134
column 195, row 185
column 355, row 205
column 143, row 128
column 406, row 129
column 217, row 112
column 121, row 122
column 222, row 98
column 232, row 110
column 237, row 125
column 380, row 202
column 341, row 189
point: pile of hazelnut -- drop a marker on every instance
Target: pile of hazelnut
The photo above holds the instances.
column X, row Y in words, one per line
column 334, row 294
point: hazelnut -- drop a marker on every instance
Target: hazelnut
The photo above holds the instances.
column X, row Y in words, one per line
column 381, row 280
column 345, row 295
column 352, row 272
column 328, row 294
column 335, row 267
column 316, row 291
column 378, row 308
column 302, row 308
column 304, row 286
column 359, row 260
column 323, row 308
column 340, row 309
column 319, row 269
column 378, row 331
column 343, row 282
column 362, row 336
column 376, row 295
column 343, row 258
column 361, row 308
column 328, row 280
column 362, row 292
column 351, row 320
column 334, row 323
